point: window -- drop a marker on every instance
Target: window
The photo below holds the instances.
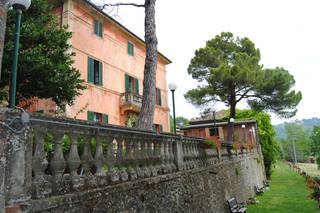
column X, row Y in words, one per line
column 97, row 25
column 130, row 48
column 214, row 131
column 158, row 97
column 98, row 117
column 132, row 85
column 94, row 71
column 157, row 128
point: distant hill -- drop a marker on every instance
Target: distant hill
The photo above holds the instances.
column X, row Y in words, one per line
column 306, row 123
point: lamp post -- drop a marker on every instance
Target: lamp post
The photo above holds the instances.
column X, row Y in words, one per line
column 18, row 6
column 172, row 87
column 244, row 133
column 230, row 138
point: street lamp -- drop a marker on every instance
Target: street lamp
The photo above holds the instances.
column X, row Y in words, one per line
column 172, row 87
column 244, row 133
column 18, row 6
column 230, row 138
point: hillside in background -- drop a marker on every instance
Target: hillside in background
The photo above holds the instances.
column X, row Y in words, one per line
column 306, row 123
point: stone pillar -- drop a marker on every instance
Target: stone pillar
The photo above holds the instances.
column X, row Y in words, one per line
column 16, row 160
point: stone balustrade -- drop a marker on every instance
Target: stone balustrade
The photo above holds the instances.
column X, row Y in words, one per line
column 70, row 156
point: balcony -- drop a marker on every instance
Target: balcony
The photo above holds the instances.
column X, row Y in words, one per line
column 130, row 102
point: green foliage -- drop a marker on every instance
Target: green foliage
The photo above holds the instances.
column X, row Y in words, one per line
column 229, row 71
column 45, row 60
column 315, row 141
column 270, row 148
column 210, row 143
column 180, row 121
column 296, row 136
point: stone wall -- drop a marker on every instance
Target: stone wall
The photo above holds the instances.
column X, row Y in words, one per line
column 131, row 171
column 197, row 190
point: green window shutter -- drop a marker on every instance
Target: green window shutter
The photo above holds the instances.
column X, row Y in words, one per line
column 136, row 86
column 161, row 128
column 96, row 27
column 130, row 48
column 90, row 116
column 127, row 83
column 100, row 29
column 105, row 119
column 159, row 97
column 100, row 74
column 90, row 70
column 154, row 128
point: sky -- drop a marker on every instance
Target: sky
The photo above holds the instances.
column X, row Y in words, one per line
column 287, row 33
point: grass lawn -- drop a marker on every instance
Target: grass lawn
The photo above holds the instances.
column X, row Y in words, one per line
column 287, row 193
column 310, row 168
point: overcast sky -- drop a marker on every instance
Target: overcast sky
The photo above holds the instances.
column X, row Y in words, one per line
column 287, row 33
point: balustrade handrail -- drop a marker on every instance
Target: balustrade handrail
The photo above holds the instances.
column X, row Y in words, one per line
column 118, row 153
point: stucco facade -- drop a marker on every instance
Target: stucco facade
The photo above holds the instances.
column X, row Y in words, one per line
column 108, row 50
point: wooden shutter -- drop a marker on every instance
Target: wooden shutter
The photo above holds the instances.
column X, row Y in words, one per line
column 159, row 97
column 136, row 84
column 90, row 70
column 127, row 83
column 130, row 48
column 96, row 27
column 90, row 116
column 105, row 119
column 154, row 127
column 100, row 29
column 161, row 128
column 100, row 74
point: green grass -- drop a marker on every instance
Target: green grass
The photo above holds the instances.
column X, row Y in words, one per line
column 287, row 193
column 310, row 168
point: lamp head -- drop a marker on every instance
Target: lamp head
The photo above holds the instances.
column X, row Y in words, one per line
column 231, row 120
column 243, row 126
column 172, row 86
column 20, row 4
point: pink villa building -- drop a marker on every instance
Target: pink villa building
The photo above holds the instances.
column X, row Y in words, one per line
column 111, row 61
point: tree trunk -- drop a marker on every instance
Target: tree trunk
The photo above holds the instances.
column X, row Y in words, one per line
column 232, row 115
column 146, row 115
column 3, row 18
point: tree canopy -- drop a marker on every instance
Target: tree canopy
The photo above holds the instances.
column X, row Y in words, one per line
column 315, row 141
column 228, row 70
column 45, row 60
column 298, row 139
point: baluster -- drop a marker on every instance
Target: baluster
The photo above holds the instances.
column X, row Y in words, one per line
column 111, row 158
column 99, row 158
column 39, row 160
column 138, row 158
column 87, row 160
column 171, row 155
column 131, row 149
column 121, row 159
column 152, row 154
column 183, row 143
column 162, row 168
column 156, row 156
column 57, row 164
column 73, row 158
column 146, row 158
column 41, row 187
column 167, row 155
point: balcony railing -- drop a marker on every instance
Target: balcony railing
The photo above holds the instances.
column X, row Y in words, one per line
column 131, row 101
